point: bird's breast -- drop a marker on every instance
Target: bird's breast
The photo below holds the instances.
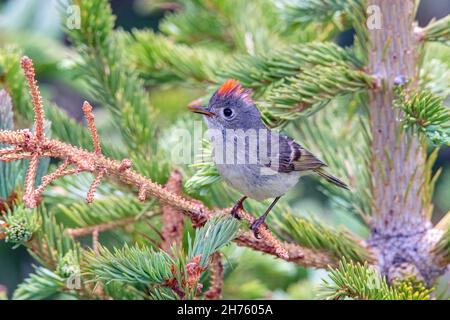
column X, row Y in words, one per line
column 257, row 182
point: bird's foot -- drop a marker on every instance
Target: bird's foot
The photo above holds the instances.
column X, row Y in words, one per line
column 256, row 225
column 238, row 206
column 235, row 210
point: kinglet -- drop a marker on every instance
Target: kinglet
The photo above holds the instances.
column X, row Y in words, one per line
column 258, row 162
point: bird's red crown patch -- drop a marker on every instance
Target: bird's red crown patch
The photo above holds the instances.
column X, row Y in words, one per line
column 233, row 87
column 229, row 86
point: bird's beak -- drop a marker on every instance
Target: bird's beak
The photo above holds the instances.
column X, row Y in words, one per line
column 200, row 109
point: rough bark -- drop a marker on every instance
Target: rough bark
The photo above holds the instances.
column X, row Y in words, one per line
column 172, row 219
column 401, row 231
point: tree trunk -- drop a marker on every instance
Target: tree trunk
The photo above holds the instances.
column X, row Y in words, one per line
column 401, row 230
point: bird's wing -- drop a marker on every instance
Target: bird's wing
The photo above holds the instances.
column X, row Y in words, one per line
column 290, row 156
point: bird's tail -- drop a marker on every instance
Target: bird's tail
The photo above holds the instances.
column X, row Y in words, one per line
column 331, row 179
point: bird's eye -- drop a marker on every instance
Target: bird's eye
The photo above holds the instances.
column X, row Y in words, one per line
column 227, row 112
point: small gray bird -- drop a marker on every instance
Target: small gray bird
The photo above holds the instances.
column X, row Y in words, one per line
column 258, row 162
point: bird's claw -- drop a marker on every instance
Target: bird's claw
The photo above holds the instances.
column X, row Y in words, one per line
column 255, row 227
column 235, row 214
column 235, row 210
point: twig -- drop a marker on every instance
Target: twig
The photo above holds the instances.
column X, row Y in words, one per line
column 295, row 253
column 269, row 240
column 46, row 180
column 81, row 232
column 216, row 278
column 89, row 115
column 8, row 151
column 172, row 220
column 28, row 68
column 95, row 234
column 142, row 195
column 29, row 196
column 95, row 184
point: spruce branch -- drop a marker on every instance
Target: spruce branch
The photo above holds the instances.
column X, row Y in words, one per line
column 30, row 178
column 135, row 265
column 259, row 71
column 363, row 282
column 34, row 149
column 98, row 178
column 93, row 163
column 314, row 86
column 28, row 68
column 209, row 239
column 227, row 25
column 311, row 11
column 288, row 251
column 216, row 278
column 159, row 60
column 89, row 115
column 425, row 112
column 43, row 284
column 20, row 224
column 216, row 233
column 172, row 219
column 102, row 227
column 143, row 266
column 270, row 241
column 183, row 25
column 60, row 172
column 436, row 30
column 316, row 236
column 108, row 209
column 63, row 126
column 112, row 81
column 49, row 243
column 14, row 81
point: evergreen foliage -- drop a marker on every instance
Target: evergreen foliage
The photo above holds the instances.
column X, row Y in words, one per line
column 40, row 285
column 438, row 30
column 130, row 264
column 363, row 282
column 315, row 235
column 311, row 11
column 425, row 113
column 108, row 75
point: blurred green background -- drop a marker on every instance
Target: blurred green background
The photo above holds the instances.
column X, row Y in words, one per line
column 34, row 26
